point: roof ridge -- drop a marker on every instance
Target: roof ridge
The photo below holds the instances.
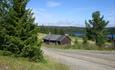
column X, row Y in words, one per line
column 53, row 37
column 61, row 37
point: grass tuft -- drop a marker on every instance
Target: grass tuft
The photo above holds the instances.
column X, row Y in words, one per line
column 13, row 63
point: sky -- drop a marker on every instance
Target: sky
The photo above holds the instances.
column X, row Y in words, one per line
column 71, row 12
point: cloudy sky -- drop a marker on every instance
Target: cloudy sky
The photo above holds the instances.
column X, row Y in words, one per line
column 71, row 12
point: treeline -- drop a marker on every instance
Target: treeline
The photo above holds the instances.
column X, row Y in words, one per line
column 111, row 30
column 71, row 30
column 61, row 30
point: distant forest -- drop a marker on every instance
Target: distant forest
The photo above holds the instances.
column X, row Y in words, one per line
column 71, row 30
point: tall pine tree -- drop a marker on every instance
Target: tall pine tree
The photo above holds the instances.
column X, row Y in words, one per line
column 19, row 31
column 95, row 28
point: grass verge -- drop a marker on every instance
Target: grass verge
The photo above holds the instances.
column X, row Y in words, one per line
column 80, row 46
column 13, row 63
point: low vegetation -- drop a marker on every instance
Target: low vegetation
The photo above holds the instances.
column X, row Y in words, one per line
column 12, row 63
column 78, row 43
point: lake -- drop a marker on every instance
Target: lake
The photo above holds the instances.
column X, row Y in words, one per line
column 81, row 34
column 111, row 35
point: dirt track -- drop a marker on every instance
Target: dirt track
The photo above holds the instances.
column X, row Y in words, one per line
column 83, row 59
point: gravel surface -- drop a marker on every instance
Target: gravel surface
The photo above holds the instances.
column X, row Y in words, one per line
column 83, row 59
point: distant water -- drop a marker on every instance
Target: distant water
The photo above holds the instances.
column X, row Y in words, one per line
column 80, row 34
column 110, row 36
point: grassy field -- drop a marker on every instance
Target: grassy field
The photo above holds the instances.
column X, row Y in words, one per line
column 12, row 63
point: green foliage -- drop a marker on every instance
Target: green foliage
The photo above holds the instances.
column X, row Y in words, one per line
column 85, row 40
column 20, row 63
column 88, row 46
column 7, row 53
column 76, row 41
column 95, row 29
column 18, row 31
column 112, row 32
column 33, row 53
column 60, row 30
column 54, row 30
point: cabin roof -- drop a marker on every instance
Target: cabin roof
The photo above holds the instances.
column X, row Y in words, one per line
column 54, row 37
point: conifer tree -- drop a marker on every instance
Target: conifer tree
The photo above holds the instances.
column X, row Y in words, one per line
column 95, row 28
column 19, row 31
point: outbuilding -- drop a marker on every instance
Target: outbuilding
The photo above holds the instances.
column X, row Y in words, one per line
column 57, row 39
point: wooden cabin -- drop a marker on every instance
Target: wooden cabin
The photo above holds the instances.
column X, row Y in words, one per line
column 57, row 39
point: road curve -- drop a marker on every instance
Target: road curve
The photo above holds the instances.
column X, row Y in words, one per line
column 83, row 60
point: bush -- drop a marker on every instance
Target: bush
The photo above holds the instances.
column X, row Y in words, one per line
column 76, row 41
column 33, row 53
column 85, row 40
column 7, row 53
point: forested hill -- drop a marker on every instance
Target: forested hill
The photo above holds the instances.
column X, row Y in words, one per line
column 68, row 29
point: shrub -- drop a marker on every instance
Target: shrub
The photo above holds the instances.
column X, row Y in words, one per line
column 85, row 40
column 76, row 41
column 7, row 53
column 33, row 53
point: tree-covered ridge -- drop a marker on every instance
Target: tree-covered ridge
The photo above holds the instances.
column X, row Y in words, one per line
column 18, row 31
column 69, row 29
column 61, row 29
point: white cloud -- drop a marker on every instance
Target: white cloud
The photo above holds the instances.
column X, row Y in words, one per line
column 53, row 4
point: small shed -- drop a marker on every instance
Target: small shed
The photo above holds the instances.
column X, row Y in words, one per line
column 57, row 39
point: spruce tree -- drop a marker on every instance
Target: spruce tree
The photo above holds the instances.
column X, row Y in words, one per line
column 95, row 28
column 19, row 31
column 4, row 8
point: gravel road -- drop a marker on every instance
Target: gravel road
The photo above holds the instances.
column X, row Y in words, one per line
column 83, row 59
